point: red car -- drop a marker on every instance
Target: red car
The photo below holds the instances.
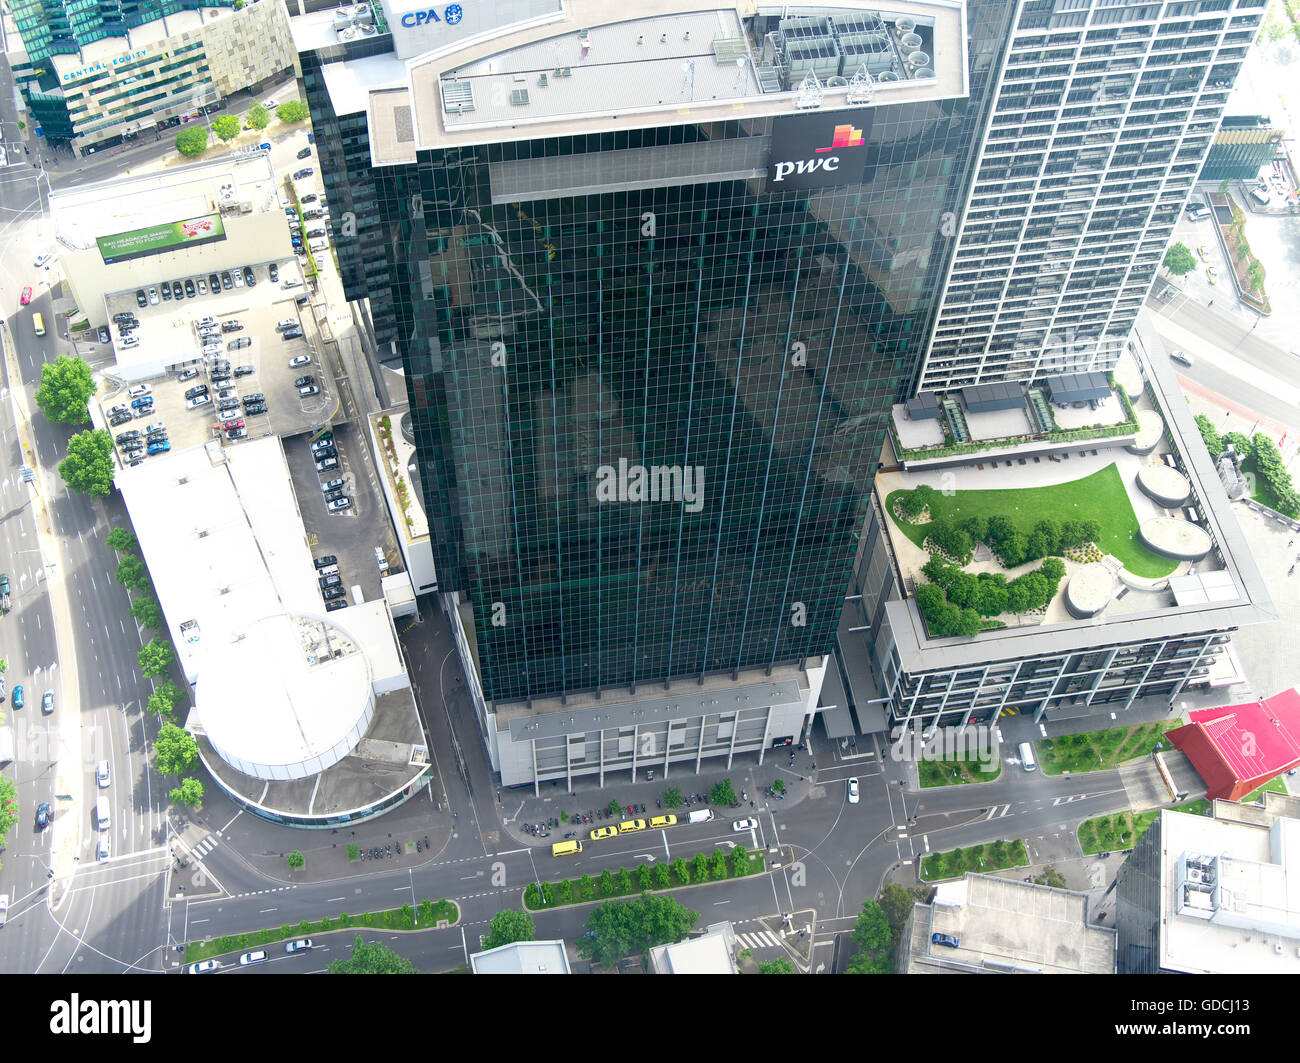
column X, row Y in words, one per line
column 230, row 426
column 26, row 297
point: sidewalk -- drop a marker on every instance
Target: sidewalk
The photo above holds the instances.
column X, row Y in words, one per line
column 517, row 807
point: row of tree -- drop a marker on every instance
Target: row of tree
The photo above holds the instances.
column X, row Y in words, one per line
column 1010, row 545
column 1263, row 453
column 63, row 396
column 193, row 140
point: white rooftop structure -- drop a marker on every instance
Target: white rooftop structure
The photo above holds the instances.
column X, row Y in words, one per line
column 1229, row 895
column 522, row 957
column 710, row 953
column 283, row 692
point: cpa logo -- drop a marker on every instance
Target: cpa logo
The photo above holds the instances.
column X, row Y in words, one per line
column 453, row 14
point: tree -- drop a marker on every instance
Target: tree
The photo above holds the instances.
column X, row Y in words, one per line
column 871, row 931
column 372, row 959
column 292, row 111
column 258, row 117
column 66, row 388
column 623, row 880
column 672, row 797
column 718, row 865
column 618, row 928
column 226, row 127
column 1179, row 260
column 190, row 792
column 146, row 609
column 777, row 966
column 509, row 926
column 896, row 902
column 121, row 540
column 131, row 572
column 682, row 870
column 295, row 860
column 722, row 793
column 192, row 142
column 699, row 867
column 868, row 963
column 564, row 892
column 739, row 861
column 175, row 750
column 606, row 883
column 586, row 887
column 156, row 657
column 8, row 807
column 164, row 699
column 1209, row 435
column 615, row 809
column 663, row 876
column 427, row 912
column 88, row 467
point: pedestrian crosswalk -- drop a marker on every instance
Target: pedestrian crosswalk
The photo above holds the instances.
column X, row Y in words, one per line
column 761, row 939
column 204, row 847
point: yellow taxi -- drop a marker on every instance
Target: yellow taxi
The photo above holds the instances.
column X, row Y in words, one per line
column 630, row 825
column 663, row 821
column 603, row 832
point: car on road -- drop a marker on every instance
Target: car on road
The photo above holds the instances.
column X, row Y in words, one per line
column 249, row 958
column 603, row 832
column 1211, row 275
column 43, row 258
column 744, row 824
column 204, row 966
column 325, row 464
column 265, row 145
column 853, row 791
column 338, row 504
column 4, row 907
column 302, row 359
column 101, row 775
column 327, row 560
column 946, row 939
column 301, row 945
column 104, row 850
column 303, row 381
column 1181, row 356
column 26, row 297
column 16, row 698
column 331, row 485
column 44, row 814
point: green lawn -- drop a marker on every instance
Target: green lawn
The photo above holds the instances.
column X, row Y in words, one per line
column 582, row 890
column 1262, row 495
column 1100, row 496
column 951, row 771
column 1098, row 750
column 1276, row 785
column 992, row 856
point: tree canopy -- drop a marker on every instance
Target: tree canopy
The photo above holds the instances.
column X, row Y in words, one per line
column 192, row 142
column 164, row 699
column 155, row 657
column 175, row 750
column 1179, row 260
column 372, row 959
column 226, row 127
column 508, row 927
column 258, row 117
column 190, row 792
column 121, row 540
column 619, row 928
column 291, row 111
column 66, row 388
column 88, row 466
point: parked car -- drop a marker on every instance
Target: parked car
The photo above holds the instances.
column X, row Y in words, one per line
column 156, row 426
column 306, row 171
column 325, row 464
column 237, row 433
column 310, row 197
column 189, row 288
column 304, row 153
column 197, row 401
column 315, row 233
column 143, row 400
column 17, row 697
column 177, row 291
column 153, row 296
column 335, row 495
column 118, row 418
column 236, row 422
column 126, row 437
column 338, row 603
column 330, row 485
column 338, row 504
column 331, row 593
column 330, row 581
column 202, row 286
column 214, row 283
column 255, row 396
column 302, row 359
column 226, row 282
column 167, row 293
column 252, row 408
column 249, row 278
column 853, row 791
column 946, row 939
column 239, row 343
column 188, row 374
column 328, row 452
column 303, row 381
column 159, row 448
column 291, row 334
column 273, row 271
column 140, row 299
column 198, row 389
column 265, row 146
column 26, row 297
column 232, row 325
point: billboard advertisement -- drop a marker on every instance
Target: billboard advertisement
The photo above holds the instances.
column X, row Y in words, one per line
column 122, row 247
column 818, row 151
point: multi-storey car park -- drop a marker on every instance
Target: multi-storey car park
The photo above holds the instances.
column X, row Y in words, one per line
column 717, row 244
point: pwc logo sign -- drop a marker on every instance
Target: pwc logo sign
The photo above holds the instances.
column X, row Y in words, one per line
column 812, row 152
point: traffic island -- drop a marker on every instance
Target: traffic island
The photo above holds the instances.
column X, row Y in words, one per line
column 991, row 856
column 428, row 915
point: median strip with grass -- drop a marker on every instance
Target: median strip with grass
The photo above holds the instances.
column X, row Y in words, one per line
column 1098, row 750
column 991, row 856
column 646, row 878
column 956, row 770
column 426, row 916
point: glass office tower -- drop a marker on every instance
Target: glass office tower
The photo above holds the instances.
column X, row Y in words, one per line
column 648, row 378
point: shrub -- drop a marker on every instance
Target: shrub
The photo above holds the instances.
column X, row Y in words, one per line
column 914, row 502
column 950, row 539
column 1210, row 435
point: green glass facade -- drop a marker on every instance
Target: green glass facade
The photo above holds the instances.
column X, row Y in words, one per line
column 730, row 350
column 61, row 27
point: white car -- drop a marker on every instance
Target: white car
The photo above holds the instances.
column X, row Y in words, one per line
column 331, row 485
column 204, row 966
column 249, row 958
column 853, row 791
column 43, row 258
column 298, row 946
column 1181, row 356
column 105, row 849
column 339, row 503
column 197, row 401
column 138, row 390
column 744, row 824
column 101, row 774
column 302, row 359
